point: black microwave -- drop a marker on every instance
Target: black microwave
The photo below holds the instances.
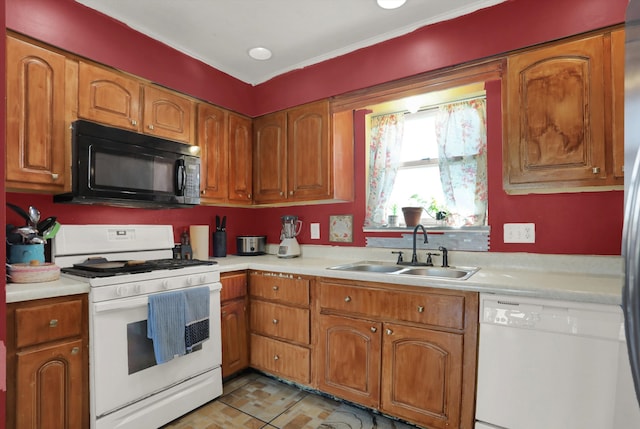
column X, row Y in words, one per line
column 118, row 167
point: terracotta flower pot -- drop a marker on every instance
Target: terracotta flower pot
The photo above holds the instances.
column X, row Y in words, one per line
column 412, row 215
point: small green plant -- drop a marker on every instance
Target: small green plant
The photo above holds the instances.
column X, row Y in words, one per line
column 416, row 200
column 394, row 209
column 437, row 210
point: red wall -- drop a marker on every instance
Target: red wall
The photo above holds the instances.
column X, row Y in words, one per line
column 565, row 223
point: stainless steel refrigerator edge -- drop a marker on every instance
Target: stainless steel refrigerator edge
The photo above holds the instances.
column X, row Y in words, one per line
column 631, row 231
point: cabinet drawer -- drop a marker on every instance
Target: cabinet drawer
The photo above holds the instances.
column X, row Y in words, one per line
column 280, row 321
column 283, row 289
column 289, row 361
column 50, row 322
column 431, row 309
column 233, row 286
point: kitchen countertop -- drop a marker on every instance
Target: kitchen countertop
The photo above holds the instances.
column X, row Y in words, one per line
column 596, row 279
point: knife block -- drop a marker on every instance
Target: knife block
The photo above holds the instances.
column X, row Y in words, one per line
column 220, row 243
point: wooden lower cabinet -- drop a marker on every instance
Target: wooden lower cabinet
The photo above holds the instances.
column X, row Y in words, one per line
column 349, row 359
column 280, row 325
column 280, row 358
column 408, row 354
column 50, row 388
column 235, row 352
column 233, row 311
column 422, row 375
column 48, row 364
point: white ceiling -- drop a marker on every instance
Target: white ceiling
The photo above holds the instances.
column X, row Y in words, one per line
column 298, row 32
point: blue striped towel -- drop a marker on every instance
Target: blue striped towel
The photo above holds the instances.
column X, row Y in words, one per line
column 166, row 324
column 196, row 329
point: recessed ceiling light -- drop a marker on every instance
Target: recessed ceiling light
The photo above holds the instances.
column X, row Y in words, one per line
column 391, row 4
column 260, row 53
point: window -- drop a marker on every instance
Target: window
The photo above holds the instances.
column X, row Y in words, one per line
column 434, row 158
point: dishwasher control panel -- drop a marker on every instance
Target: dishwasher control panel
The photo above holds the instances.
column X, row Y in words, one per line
column 574, row 318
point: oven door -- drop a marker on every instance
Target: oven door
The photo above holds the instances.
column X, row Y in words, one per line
column 122, row 359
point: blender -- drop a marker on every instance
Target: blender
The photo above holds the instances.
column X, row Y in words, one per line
column 289, row 247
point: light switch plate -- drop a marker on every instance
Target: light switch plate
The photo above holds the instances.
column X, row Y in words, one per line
column 519, row 232
column 315, row 231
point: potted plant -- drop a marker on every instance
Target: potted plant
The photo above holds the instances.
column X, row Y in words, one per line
column 392, row 220
column 437, row 211
column 412, row 213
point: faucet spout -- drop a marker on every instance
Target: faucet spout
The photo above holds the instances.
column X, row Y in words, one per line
column 414, row 256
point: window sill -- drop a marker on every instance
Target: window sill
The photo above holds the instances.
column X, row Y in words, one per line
column 429, row 228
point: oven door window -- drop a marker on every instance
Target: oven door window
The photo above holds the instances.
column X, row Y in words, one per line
column 123, row 364
column 140, row 353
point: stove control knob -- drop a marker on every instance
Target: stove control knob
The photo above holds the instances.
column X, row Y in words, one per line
column 137, row 288
column 189, row 281
column 120, row 290
column 164, row 284
column 203, row 279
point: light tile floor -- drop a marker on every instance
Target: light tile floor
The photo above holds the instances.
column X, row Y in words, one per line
column 255, row 401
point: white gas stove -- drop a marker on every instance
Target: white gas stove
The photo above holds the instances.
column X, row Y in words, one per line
column 125, row 265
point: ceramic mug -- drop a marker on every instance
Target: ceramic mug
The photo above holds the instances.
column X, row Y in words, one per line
column 25, row 253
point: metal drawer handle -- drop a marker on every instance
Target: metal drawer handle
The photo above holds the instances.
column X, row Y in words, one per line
column 53, row 323
column 420, row 309
column 75, row 350
column 275, row 288
column 276, row 357
column 374, row 329
column 55, row 176
column 347, row 299
column 389, row 332
column 275, row 321
column 596, row 170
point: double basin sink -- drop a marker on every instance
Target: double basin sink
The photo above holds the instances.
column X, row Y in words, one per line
column 456, row 273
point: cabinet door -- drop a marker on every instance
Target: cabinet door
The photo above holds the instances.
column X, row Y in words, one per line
column 240, row 160
column 270, row 158
column 35, row 154
column 214, row 148
column 167, row 115
column 108, row 97
column 617, row 90
column 422, row 375
column 555, row 115
column 50, row 387
column 308, row 152
column 235, row 347
column 349, row 359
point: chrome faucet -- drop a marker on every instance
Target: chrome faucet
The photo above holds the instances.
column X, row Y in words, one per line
column 414, row 256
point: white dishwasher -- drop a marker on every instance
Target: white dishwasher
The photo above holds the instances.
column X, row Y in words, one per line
column 546, row 364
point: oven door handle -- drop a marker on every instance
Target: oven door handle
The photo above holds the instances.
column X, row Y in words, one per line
column 120, row 304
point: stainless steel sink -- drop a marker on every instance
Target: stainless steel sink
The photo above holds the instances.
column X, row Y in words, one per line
column 457, row 273
column 369, row 266
column 451, row 272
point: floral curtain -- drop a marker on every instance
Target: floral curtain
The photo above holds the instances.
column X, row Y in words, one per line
column 461, row 132
column 384, row 157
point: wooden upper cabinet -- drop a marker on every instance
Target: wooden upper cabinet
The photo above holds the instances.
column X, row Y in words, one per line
column 112, row 98
column 240, row 159
column 556, row 116
column 108, row 97
column 214, row 149
column 36, row 148
column 309, row 151
column 167, row 115
column 270, row 158
column 303, row 154
column 617, row 91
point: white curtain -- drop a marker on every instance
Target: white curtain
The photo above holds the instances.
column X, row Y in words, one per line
column 462, row 146
column 384, row 157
